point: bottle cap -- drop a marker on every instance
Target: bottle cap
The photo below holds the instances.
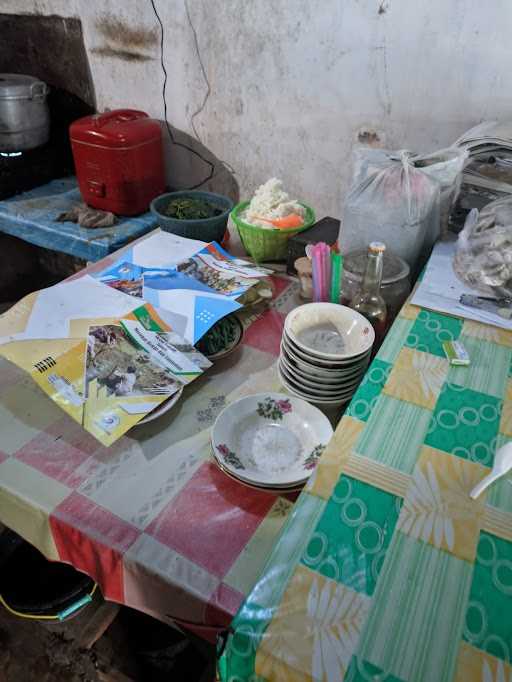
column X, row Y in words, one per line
column 377, row 247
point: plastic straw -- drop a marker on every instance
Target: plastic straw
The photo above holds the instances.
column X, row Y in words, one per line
column 341, row 277
column 317, row 273
column 322, row 271
column 321, row 262
column 326, row 253
column 336, row 265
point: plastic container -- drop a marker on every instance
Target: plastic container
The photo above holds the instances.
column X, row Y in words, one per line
column 118, row 160
column 206, row 229
column 304, row 269
column 263, row 244
column 395, row 279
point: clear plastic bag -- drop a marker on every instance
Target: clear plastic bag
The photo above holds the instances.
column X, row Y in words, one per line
column 391, row 201
column 483, row 258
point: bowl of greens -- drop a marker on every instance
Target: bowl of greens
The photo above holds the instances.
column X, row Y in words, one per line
column 222, row 339
column 193, row 214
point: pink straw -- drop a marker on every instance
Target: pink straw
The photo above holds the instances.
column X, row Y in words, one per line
column 326, row 258
column 316, row 261
column 321, row 262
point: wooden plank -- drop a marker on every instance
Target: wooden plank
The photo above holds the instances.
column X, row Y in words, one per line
column 97, row 625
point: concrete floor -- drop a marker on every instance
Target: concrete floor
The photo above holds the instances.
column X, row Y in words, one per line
column 32, row 652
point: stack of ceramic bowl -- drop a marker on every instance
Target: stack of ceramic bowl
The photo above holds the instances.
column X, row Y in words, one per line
column 270, row 441
column 325, row 351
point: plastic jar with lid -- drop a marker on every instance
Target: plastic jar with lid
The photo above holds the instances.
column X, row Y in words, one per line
column 395, row 279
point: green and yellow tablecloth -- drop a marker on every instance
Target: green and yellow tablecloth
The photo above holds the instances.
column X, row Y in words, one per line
column 386, row 570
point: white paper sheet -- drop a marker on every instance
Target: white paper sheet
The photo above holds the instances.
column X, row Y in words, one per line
column 78, row 299
column 164, row 250
column 441, row 289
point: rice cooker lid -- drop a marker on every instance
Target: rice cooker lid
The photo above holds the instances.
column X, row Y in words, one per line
column 20, row 86
column 394, row 268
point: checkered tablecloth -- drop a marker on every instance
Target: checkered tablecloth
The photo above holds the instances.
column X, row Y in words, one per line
column 386, row 570
column 151, row 518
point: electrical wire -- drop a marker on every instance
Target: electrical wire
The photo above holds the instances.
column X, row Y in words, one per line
column 164, row 89
column 203, row 71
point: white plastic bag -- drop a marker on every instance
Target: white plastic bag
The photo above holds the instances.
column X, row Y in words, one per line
column 445, row 166
column 483, row 259
column 391, row 201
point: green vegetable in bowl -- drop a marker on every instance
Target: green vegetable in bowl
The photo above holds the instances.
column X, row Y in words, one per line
column 224, row 335
column 191, row 209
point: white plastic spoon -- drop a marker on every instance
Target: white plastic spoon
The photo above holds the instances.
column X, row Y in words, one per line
column 502, row 465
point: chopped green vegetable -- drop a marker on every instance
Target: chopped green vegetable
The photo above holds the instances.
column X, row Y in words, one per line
column 221, row 336
column 191, row 209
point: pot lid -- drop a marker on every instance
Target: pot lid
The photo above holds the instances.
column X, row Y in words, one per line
column 19, row 86
column 393, row 267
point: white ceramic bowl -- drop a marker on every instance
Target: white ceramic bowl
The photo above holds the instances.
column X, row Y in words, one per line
column 322, row 403
column 280, row 489
column 330, row 331
column 306, row 393
column 322, row 362
column 319, row 391
column 329, row 386
column 270, row 438
column 317, row 375
column 162, row 408
column 317, row 368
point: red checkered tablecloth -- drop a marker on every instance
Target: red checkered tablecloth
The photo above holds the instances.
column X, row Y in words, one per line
column 151, row 518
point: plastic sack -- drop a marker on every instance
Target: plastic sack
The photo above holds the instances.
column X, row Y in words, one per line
column 445, row 166
column 392, row 201
column 483, row 257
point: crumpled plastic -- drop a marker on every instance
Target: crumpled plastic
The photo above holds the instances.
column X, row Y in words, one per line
column 483, row 258
column 88, row 217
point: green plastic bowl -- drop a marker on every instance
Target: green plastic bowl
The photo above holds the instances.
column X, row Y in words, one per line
column 205, row 229
column 263, row 244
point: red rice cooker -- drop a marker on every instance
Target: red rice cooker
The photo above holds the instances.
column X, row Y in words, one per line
column 118, row 160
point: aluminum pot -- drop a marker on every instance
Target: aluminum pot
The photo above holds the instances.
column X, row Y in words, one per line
column 24, row 114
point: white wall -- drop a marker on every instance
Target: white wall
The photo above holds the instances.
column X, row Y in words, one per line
column 294, row 82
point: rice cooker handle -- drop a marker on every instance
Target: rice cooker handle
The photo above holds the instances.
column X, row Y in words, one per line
column 38, row 90
column 119, row 115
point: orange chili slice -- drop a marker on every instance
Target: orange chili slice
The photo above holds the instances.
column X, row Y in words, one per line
column 286, row 223
column 289, row 221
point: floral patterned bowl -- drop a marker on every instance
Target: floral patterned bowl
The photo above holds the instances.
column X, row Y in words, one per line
column 270, row 439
